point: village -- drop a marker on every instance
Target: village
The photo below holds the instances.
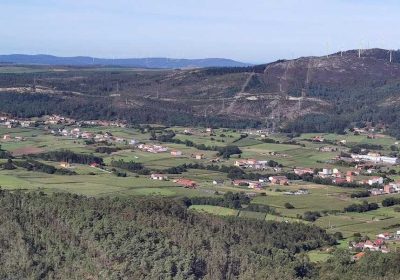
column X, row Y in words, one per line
column 365, row 169
column 297, row 175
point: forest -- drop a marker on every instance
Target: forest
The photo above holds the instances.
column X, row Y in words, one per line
column 133, row 96
column 67, row 236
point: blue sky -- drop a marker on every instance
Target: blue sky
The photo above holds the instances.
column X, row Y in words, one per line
column 251, row 31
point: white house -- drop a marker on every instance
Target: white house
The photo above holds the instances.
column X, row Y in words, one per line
column 159, row 177
column 176, row 153
column 375, row 180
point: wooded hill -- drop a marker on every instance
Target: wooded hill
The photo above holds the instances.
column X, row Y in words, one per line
column 66, row 236
column 329, row 93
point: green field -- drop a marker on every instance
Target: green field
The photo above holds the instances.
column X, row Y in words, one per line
column 215, row 210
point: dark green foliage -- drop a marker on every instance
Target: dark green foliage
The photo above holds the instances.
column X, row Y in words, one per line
column 364, row 207
column 106, row 150
column 360, row 194
column 390, row 201
column 33, row 165
column 364, row 146
column 351, row 104
column 9, row 165
column 288, row 205
column 131, row 166
column 311, row 216
column 26, row 105
column 66, row 236
column 229, row 200
column 373, row 266
column 4, row 154
column 261, row 208
column 338, row 235
column 71, row 157
column 227, row 151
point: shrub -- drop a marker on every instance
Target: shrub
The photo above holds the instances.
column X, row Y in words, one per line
column 288, row 205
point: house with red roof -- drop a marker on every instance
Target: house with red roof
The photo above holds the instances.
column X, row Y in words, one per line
column 279, row 180
column 358, row 256
column 187, row 183
column 303, row 171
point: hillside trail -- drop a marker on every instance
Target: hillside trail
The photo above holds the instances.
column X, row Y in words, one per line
column 245, row 84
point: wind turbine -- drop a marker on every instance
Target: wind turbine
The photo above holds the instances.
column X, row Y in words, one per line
column 390, row 56
column 34, row 83
column 360, row 49
column 327, row 50
column 341, row 50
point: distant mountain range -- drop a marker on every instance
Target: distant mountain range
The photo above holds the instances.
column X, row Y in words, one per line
column 152, row 62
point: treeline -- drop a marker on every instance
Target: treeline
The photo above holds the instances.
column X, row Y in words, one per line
column 363, row 207
column 360, row 194
column 390, row 201
column 359, row 148
column 70, row 157
column 233, row 172
column 106, row 150
column 4, row 154
column 131, row 166
column 74, row 237
column 229, row 200
column 33, row 165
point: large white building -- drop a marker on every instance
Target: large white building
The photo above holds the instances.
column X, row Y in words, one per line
column 376, row 158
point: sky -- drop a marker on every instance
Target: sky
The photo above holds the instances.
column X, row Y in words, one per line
column 254, row 31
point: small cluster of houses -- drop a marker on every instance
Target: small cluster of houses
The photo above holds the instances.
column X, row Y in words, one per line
column 351, row 176
column 393, row 187
column 12, row 123
column 247, row 183
column 67, row 165
column 297, row 192
column 8, row 137
column 97, row 137
column 186, row 183
column 328, row 149
column 56, row 119
column 104, row 123
column 263, row 133
column 378, row 245
column 60, row 120
column 303, row 171
column 152, row 148
column 251, row 163
column 254, row 164
column 251, row 184
column 321, row 139
column 371, row 131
